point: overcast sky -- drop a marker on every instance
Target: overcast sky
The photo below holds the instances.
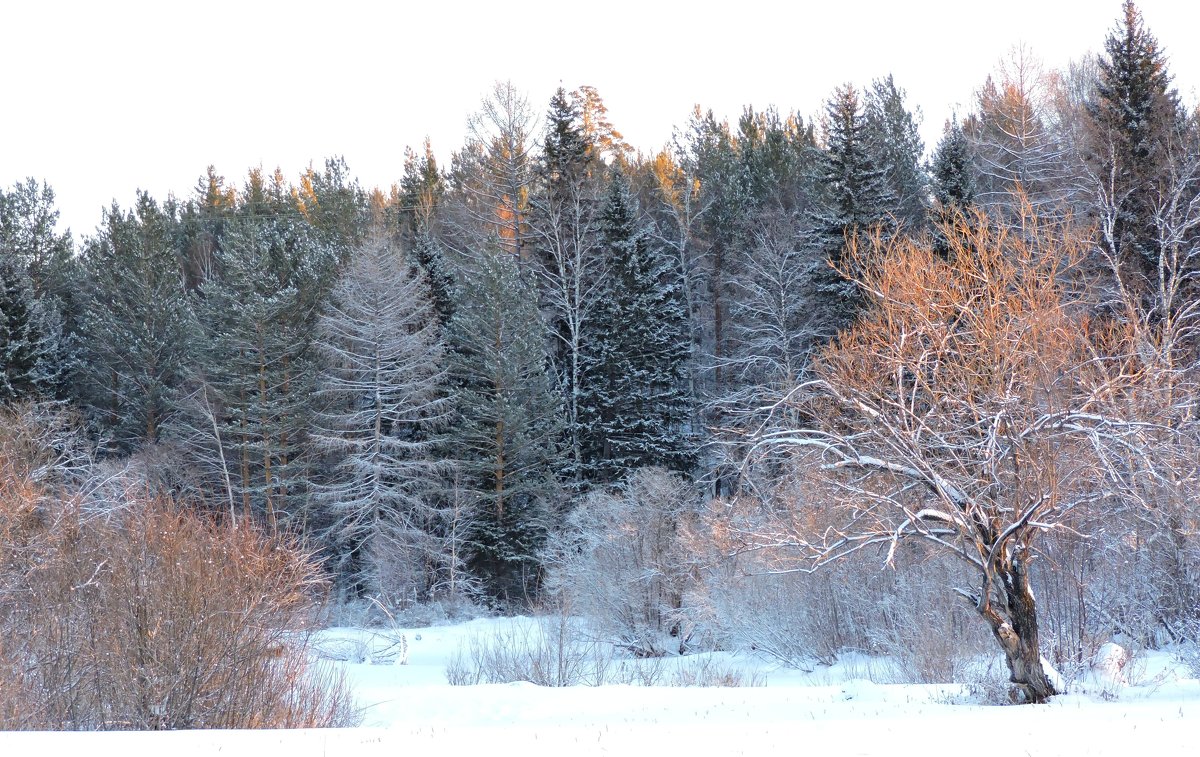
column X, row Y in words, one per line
column 108, row 97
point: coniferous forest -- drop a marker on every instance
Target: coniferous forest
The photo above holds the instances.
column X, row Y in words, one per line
column 798, row 385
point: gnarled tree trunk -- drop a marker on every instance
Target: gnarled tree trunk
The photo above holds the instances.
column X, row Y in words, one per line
column 1009, row 608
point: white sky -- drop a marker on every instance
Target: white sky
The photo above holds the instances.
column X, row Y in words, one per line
column 102, row 98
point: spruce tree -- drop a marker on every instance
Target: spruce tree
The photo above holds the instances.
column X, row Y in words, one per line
column 894, row 140
column 635, row 407
column 953, row 179
column 1134, row 121
column 855, row 197
column 953, row 174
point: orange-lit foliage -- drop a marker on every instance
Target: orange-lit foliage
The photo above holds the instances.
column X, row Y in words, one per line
column 962, row 409
column 142, row 614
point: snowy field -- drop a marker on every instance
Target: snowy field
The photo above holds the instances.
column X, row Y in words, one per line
column 411, row 709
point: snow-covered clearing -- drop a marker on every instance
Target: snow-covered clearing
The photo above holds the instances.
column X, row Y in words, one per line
column 410, row 709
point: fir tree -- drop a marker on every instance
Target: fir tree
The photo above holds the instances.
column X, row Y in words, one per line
column 204, row 218
column 565, row 148
column 333, row 203
column 422, row 190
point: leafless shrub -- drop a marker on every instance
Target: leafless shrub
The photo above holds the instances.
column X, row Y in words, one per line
column 555, row 652
column 623, row 563
column 552, row 653
column 925, row 631
column 705, row 670
column 148, row 616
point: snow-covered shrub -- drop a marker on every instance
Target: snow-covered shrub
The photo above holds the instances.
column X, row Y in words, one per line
column 623, row 562
column 799, row 620
column 929, row 633
column 159, row 619
column 145, row 615
column 808, row 619
column 906, row 611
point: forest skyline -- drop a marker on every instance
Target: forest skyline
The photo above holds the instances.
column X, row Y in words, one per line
column 124, row 100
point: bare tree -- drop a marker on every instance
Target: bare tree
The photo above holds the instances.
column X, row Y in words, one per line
column 962, row 410
column 490, row 177
column 1020, row 155
column 382, row 397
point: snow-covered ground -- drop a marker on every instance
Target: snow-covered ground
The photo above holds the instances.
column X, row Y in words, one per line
column 410, row 709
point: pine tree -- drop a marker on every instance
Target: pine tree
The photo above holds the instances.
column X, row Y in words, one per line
column 1134, row 121
column 29, row 238
column 29, row 336
column 334, row 205
column 505, row 427
column 604, row 141
column 204, row 218
column 422, row 189
column 381, row 395
column 137, row 326
column 635, row 407
column 257, row 327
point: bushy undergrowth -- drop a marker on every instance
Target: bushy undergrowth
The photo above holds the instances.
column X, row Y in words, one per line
column 142, row 614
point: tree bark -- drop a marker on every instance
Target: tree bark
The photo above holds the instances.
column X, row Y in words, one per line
column 1012, row 616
